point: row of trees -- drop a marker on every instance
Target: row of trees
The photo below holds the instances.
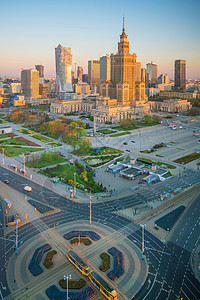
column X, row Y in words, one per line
column 147, row 119
column 28, row 118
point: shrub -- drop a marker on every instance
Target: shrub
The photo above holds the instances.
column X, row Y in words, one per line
column 118, row 269
column 91, row 234
column 54, row 294
column 34, row 265
column 84, row 241
column 105, row 262
column 48, row 259
column 72, row 284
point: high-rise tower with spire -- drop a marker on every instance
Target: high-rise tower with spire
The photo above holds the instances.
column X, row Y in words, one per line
column 124, row 85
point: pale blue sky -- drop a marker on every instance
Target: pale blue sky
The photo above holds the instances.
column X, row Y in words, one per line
column 157, row 31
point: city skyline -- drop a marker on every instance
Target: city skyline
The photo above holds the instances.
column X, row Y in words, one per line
column 31, row 34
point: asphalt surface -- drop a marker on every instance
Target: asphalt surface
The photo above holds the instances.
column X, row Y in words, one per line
column 169, row 276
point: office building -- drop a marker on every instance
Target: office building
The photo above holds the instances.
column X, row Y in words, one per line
column 105, row 68
column 82, row 88
column 80, row 73
column 85, row 78
column 138, row 71
column 63, row 69
column 151, row 74
column 40, row 69
column 180, row 75
column 94, row 72
column 15, row 88
column 30, row 84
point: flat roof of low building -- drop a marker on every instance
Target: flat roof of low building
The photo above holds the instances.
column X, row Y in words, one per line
column 131, row 171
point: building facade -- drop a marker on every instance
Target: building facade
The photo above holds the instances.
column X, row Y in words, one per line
column 94, row 72
column 70, row 106
column 171, row 105
column 105, row 68
column 178, row 95
column 40, row 69
column 63, row 69
column 80, row 73
column 30, row 84
column 180, row 75
column 82, row 88
column 138, row 71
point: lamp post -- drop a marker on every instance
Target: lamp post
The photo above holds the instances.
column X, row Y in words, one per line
column 74, row 185
column 3, row 156
column 67, row 278
column 90, row 210
column 16, row 240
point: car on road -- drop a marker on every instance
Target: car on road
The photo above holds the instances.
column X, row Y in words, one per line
column 127, row 150
column 6, row 181
column 28, row 188
column 125, row 143
column 133, row 141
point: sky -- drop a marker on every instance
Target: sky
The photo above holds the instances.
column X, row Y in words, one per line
column 158, row 31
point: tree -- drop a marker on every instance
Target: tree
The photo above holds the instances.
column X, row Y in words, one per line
column 156, row 119
column 85, row 145
column 74, row 132
column 147, row 119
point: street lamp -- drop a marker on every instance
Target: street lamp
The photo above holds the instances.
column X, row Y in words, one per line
column 67, row 278
column 143, row 247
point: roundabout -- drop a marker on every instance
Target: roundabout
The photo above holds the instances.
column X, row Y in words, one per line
column 24, row 285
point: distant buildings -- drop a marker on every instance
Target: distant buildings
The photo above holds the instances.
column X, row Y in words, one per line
column 85, row 78
column 152, row 74
column 80, row 73
column 40, row 69
column 180, row 75
column 138, row 71
column 71, row 106
column 30, row 84
column 63, row 69
column 94, row 72
column 163, row 82
column 15, row 88
column 82, row 88
column 178, row 95
column 105, row 68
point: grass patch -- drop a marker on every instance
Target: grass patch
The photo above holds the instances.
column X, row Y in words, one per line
column 188, row 158
column 66, row 175
column 25, row 131
column 99, row 161
column 168, row 221
column 105, row 262
column 48, row 259
column 17, row 150
column 121, row 133
column 55, row 144
column 166, row 175
column 180, row 148
column 158, row 163
column 41, row 138
column 18, row 141
column 2, row 115
column 84, row 241
column 78, row 284
column 106, row 131
column 104, row 150
column 1, row 122
column 5, row 135
column 43, row 163
column 159, row 155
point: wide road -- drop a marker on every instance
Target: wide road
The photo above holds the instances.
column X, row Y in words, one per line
column 169, row 276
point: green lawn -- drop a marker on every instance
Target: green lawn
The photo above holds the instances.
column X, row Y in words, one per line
column 106, row 131
column 66, row 174
column 166, row 175
column 104, row 150
column 121, row 133
column 25, row 131
column 188, row 158
column 5, row 135
column 41, row 138
column 55, row 144
column 17, row 150
column 2, row 115
column 1, row 122
column 158, row 163
column 44, row 163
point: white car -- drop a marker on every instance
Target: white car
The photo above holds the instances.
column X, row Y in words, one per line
column 28, row 188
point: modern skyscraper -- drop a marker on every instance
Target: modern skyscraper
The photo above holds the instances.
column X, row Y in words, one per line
column 94, row 72
column 40, row 69
column 80, row 73
column 180, row 75
column 63, row 69
column 138, row 71
column 105, row 68
column 143, row 75
column 163, row 79
column 152, row 72
column 30, row 84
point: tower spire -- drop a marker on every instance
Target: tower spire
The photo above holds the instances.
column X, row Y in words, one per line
column 123, row 23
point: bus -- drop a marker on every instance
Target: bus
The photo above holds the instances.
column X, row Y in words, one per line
column 78, row 263
column 102, row 286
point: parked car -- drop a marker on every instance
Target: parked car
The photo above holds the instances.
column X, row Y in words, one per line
column 125, row 143
column 133, row 141
column 6, row 181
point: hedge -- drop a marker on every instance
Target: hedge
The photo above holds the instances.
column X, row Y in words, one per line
column 90, row 234
column 118, row 269
column 84, row 241
column 72, row 284
column 34, row 265
column 105, row 262
column 55, row 294
column 48, row 259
